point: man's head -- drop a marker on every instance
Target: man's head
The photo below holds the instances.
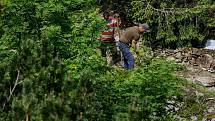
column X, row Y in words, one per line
column 144, row 27
column 106, row 15
column 114, row 14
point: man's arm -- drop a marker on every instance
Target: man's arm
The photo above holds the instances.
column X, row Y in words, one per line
column 135, row 42
column 134, row 45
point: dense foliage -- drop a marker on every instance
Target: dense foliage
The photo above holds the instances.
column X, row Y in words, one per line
column 174, row 23
column 51, row 68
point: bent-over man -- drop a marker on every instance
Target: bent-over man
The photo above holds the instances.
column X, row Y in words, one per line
column 129, row 36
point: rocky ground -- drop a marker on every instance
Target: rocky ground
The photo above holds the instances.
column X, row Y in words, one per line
column 201, row 105
column 197, row 70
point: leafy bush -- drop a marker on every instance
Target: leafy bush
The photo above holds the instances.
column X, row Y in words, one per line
column 138, row 94
column 44, row 51
column 51, row 69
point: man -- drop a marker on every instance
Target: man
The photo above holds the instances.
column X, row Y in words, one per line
column 108, row 39
column 130, row 37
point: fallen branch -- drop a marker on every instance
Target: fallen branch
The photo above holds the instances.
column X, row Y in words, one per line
column 14, row 87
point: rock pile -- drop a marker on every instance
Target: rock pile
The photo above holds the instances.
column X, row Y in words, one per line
column 192, row 57
column 199, row 62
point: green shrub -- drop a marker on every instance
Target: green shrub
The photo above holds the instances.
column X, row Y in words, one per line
column 51, row 69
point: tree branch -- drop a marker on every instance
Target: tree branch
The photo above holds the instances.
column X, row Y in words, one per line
column 164, row 10
column 14, row 87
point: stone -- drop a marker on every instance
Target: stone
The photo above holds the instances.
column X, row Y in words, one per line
column 194, row 118
column 211, row 110
column 178, row 55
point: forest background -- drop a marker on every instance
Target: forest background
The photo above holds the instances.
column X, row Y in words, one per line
column 51, row 69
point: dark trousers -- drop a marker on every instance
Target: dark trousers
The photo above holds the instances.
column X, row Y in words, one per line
column 128, row 57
